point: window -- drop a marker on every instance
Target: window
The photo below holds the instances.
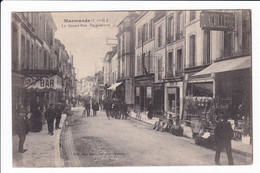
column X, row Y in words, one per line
column 123, row 44
column 14, row 48
column 32, row 57
column 170, row 64
column 204, row 89
column 178, row 27
column 145, row 32
column 45, row 59
column 137, row 95
column 139, row 35
column 159, row 68
column 27, row 54
column 150, row 62
column 227, row 43
column 36, row 58
column 151, row 29
column 192, row 50
column 192, row 15
column 149, row 92
column 246, row 31
column 159, row 36
column 138, row 64
column 173, row 99
column 206, row 47
column 179, row 62
column 170, row 30
column 23, row 52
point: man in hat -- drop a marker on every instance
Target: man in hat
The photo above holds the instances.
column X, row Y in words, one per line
column 223, row 134
column 50, row 115
column 22, row 128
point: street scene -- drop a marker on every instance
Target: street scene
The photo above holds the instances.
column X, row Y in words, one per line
column 132, row 88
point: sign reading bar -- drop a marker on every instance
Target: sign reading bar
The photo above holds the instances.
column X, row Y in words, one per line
column 220, row 21
column 53, row 82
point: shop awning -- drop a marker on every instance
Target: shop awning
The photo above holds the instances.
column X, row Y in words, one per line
column 227, row 65
column 114, row 86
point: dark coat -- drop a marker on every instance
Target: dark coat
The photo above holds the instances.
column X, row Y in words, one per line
column 95, row 106
column 50, row 114
column 58, row 112
column 87, row 105
column 223, row 131
column 22, row 125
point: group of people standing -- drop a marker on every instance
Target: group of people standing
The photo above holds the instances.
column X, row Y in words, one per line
column 115, row 108
column 87, row 105
column 32, row 120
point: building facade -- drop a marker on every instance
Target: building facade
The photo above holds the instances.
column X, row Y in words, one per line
column 218, row 67
column 37, row 69
column 126, row 57
column 144, row 56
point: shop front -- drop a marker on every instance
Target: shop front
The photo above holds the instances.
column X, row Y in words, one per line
column 47, row 86
column 173, row 102
column 158, row 98
column 143, row 92
column 222, row 89
column 116, row 91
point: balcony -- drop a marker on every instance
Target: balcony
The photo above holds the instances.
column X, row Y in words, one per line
column 169, row 74
column 179, row 35
column 170, row 39
column 179, row 73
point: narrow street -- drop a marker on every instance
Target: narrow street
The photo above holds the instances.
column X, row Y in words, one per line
column 98, row 141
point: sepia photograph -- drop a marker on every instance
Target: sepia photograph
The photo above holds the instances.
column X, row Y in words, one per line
column 131, row 88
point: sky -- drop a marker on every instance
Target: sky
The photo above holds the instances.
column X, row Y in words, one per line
column 86, row 42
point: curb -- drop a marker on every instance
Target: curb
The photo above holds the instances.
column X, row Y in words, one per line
column 59, row 162
column 186, row 136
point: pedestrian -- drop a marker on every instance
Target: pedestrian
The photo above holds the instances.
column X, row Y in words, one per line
column 150, row 110
column 101, row 104
column 58, row 110
column 116, row 109
column 223, row 134
column 87, row 108
column 22, row 128
column 36, row 110
column 95, row 107
column 124, row 110
column 112, row 112
column 50, row 115
column 107, row 107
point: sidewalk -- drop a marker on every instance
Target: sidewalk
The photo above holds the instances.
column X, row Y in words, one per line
column 237, row 147
column 43, row 149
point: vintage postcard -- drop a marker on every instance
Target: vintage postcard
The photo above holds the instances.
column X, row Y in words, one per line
column 131, row 88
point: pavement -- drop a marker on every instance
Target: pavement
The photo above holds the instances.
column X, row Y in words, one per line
column 237, row 147
column 43, row 150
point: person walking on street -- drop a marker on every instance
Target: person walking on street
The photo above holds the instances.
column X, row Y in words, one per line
column 107, row 107
column 58, row 116
column 95, row 107
column 223, row 134
column 22, row 128
column 50, row 115
column 124, row 110
column 87, row 108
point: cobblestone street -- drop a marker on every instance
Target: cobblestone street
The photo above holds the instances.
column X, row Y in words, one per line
column 98, row 141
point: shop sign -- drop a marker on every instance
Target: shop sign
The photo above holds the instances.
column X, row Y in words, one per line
column 53, row 82
column 219, row 21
